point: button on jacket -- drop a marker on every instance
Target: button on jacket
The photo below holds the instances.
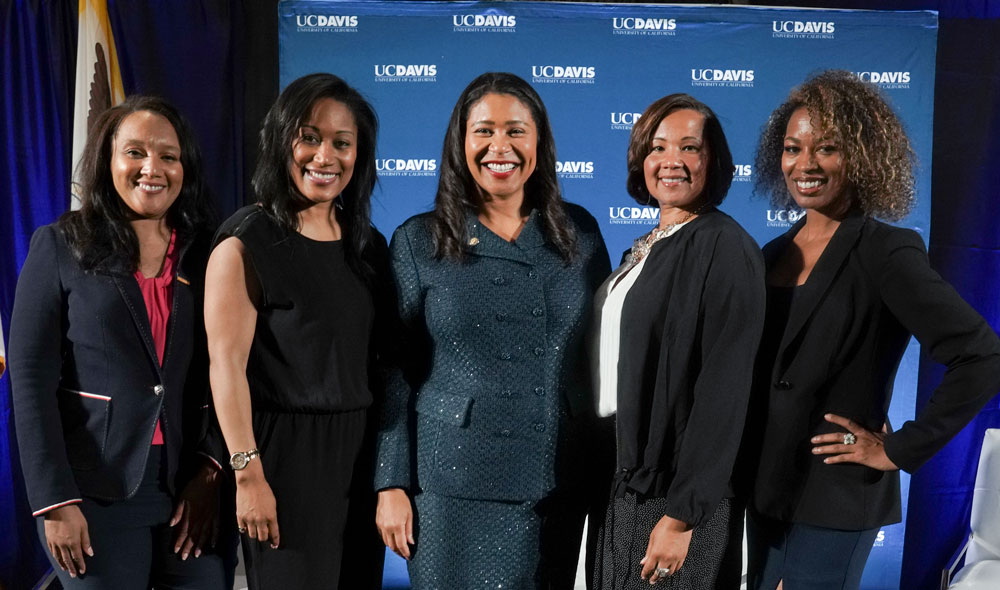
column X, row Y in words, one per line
column 87, row 385
column 495, row 355
column 847, row 329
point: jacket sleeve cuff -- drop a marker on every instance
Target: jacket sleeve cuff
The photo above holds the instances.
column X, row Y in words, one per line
column 211, row 459
column 895, row 449
column 54, row 506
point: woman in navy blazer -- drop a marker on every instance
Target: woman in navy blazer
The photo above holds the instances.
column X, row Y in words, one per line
column 109, row 369
column 845, row 292
column 493, row 437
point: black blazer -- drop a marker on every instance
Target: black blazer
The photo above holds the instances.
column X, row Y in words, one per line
column 847, row 329
column 87, row 385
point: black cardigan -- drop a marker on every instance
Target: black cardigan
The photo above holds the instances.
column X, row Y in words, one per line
column 690, row 328
column 847, row 330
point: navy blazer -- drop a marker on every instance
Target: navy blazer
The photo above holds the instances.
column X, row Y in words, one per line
column 495, row 348
column 87, row 385
column 847, row 329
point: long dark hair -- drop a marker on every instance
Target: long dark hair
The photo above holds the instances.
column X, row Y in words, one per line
column 458, row 192
column 720, row 165
column 99, row 233
column 273, row 185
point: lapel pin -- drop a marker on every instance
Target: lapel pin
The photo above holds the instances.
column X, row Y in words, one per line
column 473, row 241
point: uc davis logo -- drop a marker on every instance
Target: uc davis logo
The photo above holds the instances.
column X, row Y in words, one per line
column 880, row 538
column 323, row 23
column 743, row 173
column 563, row 74
column 406, row 167
column 726, row 78
column 622, row 121
column 575, row 169
column 643, row 26
column 797, row 29
column 886, row 79
column 484, row 23
column 634, row 215
column 783, row 217
column 406, row 73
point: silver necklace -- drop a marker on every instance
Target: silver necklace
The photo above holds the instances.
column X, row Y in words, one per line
column 644, row 243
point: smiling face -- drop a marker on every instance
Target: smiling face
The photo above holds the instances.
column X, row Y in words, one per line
column 677, row 164
column 324, row 152
column 146, row 164
column 814, row 167
column 501, row 144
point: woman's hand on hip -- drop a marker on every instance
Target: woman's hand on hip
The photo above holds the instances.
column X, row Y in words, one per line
column 196, row 514
column 256, row 509
column 394, row 519
column 68, row 538
column 857, row 445
column 668, row 546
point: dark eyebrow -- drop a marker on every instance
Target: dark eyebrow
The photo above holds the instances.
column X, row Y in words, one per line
column 685, row 138
column 491, row 122
column 316, row 129
column 136, row 142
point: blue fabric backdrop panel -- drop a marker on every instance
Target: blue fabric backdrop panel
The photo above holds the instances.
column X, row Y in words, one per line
column 597, row 67
column 37, row 111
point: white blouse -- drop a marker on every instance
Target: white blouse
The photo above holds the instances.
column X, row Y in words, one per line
column 610, row 299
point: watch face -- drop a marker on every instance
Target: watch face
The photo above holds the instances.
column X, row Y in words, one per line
column 239, row 461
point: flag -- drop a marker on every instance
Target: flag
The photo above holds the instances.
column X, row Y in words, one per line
column 98, row 77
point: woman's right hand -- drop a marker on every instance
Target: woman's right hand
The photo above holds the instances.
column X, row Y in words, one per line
column 68, row 539
column 394, row 519
column 256, row 510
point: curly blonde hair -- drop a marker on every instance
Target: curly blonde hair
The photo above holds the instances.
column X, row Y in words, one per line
column 878, row 154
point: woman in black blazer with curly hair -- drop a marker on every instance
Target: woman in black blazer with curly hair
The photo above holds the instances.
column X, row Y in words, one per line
column 109, row 370
column 845, row 292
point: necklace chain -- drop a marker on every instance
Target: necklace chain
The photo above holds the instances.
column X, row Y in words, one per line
column 644, row 243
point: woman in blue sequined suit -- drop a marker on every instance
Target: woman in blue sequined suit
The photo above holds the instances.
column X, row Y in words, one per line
column 490, row 454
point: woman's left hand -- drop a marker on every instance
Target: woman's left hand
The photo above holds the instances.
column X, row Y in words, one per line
column 668, row 546
column 196, row 514
column 867, row 449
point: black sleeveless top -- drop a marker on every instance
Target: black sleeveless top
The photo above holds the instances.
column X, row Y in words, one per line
column 310, row 348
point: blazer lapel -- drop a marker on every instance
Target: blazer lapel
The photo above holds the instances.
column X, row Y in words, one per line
column 132, row 296
column 182, row 303
column 483, row 242
column 809, row 295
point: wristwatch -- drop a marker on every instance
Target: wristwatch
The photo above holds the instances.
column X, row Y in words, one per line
column 240, row 459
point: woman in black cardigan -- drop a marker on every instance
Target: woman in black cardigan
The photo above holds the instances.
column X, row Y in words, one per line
column 845, row 292
column 679, row 322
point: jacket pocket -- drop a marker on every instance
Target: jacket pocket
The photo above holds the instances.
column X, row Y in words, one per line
column 86, row 418
column 446, row 407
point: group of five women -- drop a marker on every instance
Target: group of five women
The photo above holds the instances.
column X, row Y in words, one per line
column 472, row 392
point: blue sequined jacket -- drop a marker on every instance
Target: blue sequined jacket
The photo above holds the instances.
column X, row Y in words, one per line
column 494, row 351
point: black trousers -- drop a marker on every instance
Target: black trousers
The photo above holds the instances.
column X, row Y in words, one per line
column 133, row 545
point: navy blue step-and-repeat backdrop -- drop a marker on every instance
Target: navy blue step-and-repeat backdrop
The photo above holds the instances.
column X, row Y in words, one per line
column 597, row 67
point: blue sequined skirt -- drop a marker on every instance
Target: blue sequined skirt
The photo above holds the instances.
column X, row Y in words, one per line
column 484, row 544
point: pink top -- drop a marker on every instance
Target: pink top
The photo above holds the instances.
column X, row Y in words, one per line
column 158, row 293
